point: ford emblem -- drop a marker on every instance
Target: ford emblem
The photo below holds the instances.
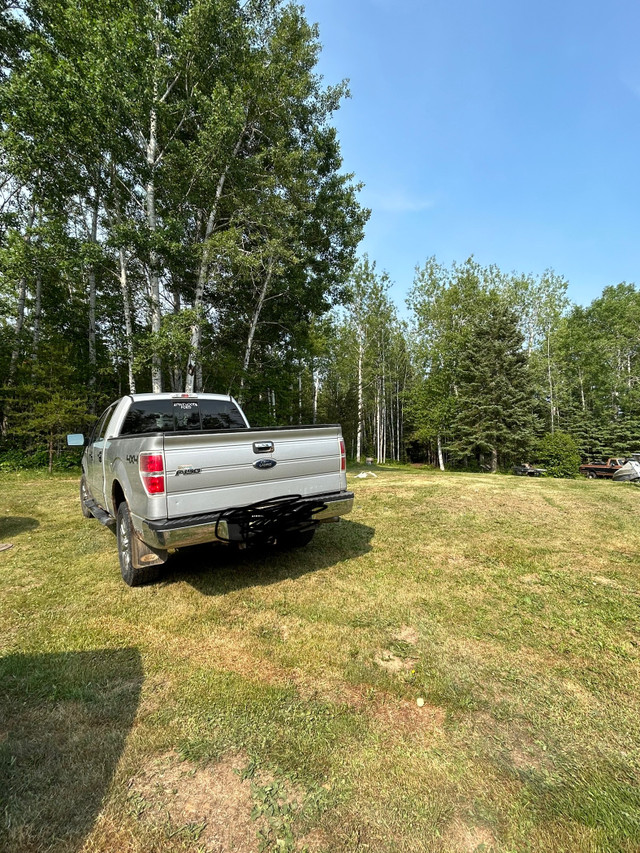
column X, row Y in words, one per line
column 265, row 463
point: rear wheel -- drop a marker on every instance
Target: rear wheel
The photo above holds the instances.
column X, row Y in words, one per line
column 128, row 551
column 84, row 498
column 592, row 475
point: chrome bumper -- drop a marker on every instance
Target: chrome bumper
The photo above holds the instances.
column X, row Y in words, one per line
column 180, row 532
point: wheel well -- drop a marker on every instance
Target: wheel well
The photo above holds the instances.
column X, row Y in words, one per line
column 118, row 495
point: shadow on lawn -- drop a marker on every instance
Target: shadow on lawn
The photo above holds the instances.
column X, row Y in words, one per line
column 216, row 570
column 12, row 525
column 64, row 720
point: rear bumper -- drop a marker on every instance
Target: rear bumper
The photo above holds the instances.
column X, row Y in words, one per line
column 198, row 529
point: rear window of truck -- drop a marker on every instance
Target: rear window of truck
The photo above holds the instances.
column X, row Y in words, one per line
column 181, row 416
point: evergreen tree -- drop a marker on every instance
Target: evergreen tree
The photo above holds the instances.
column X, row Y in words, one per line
column 493, row 406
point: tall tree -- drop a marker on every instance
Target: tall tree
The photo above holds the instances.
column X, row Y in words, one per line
column 493, row 407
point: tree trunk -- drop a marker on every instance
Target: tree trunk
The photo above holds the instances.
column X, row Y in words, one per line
column 194, row 370
column 440, row 454
column 22, row 295
column 128, row 325
column 360, row 400
column 155, row 311
column 316, row 388
column 494, row 460
column 37, row 315
column 551, row 406
column 254, row 323
column 91, row 277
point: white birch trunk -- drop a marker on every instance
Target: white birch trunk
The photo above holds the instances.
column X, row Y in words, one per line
column 194, row 368
column 316, row 389
column 128, row 325
column 155, row 311
column 37, row 314
column 91, row 276
column 360, row 400
column 440, row 454
column 254, row 325
column 22, row 296
column 550, row 382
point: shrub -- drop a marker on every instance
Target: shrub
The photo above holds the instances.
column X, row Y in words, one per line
column 559, row 454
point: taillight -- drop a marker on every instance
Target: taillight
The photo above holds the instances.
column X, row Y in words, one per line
column 152, row 473
column 343, row 456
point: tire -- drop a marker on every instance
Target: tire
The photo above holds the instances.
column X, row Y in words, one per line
column 296, row 540
column 591, row 475
column 84, row 498
column 127, row 544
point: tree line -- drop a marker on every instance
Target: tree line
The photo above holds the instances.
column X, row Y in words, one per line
column 489, row 369
column 174, row 215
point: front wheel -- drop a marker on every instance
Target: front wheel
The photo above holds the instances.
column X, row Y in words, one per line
column 128, row 551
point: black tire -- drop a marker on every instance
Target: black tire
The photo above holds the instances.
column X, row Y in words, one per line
column 296, row 540
column 591, row 475
column 84, row 498
column 126, row 536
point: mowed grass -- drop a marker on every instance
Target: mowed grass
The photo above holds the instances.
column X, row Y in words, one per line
column 453, row 668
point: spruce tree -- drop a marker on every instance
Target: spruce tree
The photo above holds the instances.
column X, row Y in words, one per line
column 493, row 418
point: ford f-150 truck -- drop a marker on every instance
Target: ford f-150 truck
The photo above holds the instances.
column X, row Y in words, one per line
column 171, row 470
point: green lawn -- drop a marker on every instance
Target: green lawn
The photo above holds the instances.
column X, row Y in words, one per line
column 453, row 668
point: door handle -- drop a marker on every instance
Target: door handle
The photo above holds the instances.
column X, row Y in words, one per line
column 100, row 457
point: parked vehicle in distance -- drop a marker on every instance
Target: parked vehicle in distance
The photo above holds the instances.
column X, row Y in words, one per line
column 172, row 470
column 527, row 470
column 602, row 469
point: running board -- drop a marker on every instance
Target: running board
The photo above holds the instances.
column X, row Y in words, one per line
column 101, row 514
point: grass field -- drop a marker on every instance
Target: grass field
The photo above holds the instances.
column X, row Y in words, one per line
column 454, row 668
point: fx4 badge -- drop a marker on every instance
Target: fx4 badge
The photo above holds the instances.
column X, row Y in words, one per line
column 265, row 463
column 187, row 469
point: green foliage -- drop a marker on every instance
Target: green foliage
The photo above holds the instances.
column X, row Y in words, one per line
column 558, row 452
column 492, row 420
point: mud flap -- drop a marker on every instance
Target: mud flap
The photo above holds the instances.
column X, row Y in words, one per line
column 142, row 555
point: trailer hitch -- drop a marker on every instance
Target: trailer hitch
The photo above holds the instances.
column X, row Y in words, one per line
column 265, row 521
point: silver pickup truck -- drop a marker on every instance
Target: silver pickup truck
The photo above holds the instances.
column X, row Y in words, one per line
column 171, row 470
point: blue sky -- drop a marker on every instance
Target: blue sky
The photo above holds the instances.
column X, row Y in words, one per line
column 507, row 130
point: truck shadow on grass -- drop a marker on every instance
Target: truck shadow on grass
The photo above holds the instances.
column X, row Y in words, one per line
column 217, row 570
column 64, row 720
column 12, row 525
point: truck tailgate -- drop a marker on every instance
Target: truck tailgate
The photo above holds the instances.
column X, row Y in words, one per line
column 206, row 472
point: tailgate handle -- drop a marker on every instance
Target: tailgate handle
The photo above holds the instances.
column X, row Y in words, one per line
column 263, row 447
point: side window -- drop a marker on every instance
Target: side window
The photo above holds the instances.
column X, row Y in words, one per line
column 220, row 414
column 148, row 416
column 97, row 436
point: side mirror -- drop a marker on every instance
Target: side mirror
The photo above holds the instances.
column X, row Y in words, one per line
column 75, row 440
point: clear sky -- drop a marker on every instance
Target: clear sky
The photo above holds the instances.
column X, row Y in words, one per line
column 505, row 129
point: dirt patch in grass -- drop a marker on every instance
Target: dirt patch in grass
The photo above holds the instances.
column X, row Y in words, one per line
column 407, row 634
column 407, row 717
column 462, row 838
column 211, row 805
